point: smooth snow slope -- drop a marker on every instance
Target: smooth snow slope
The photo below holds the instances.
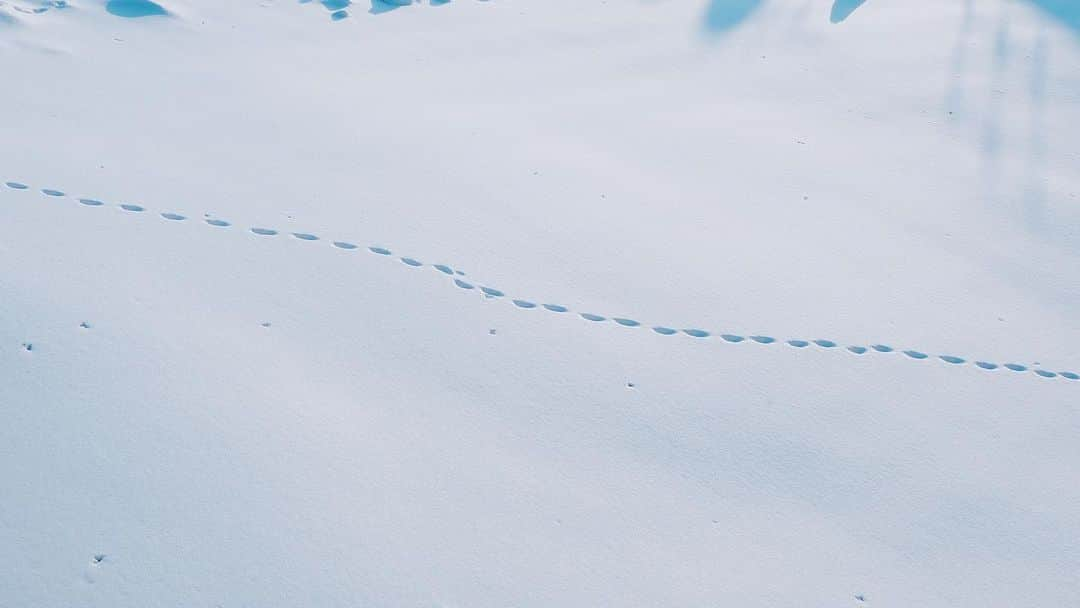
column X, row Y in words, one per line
column 777, row 217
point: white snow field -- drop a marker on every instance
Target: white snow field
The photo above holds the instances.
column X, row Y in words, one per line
column 748, row 303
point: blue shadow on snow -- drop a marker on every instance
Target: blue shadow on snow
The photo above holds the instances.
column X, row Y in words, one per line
column 134, row 8
column 1065, row 11
column 842, row 9
column 723, row 15
column 384, row 6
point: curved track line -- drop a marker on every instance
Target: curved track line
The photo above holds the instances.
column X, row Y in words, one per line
column 487, row 291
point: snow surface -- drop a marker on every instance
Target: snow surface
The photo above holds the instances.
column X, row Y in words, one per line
column 539, row 303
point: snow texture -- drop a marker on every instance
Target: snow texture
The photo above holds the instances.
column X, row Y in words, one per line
column 565, row 303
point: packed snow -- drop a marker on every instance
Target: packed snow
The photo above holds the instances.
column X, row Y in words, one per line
column 539, row 303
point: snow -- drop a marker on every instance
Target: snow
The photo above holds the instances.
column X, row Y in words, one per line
column 508, row 303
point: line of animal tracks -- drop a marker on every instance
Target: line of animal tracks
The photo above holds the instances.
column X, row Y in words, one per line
column 459, row 280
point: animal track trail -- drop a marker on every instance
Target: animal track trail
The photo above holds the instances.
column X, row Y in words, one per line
column 489, row 292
